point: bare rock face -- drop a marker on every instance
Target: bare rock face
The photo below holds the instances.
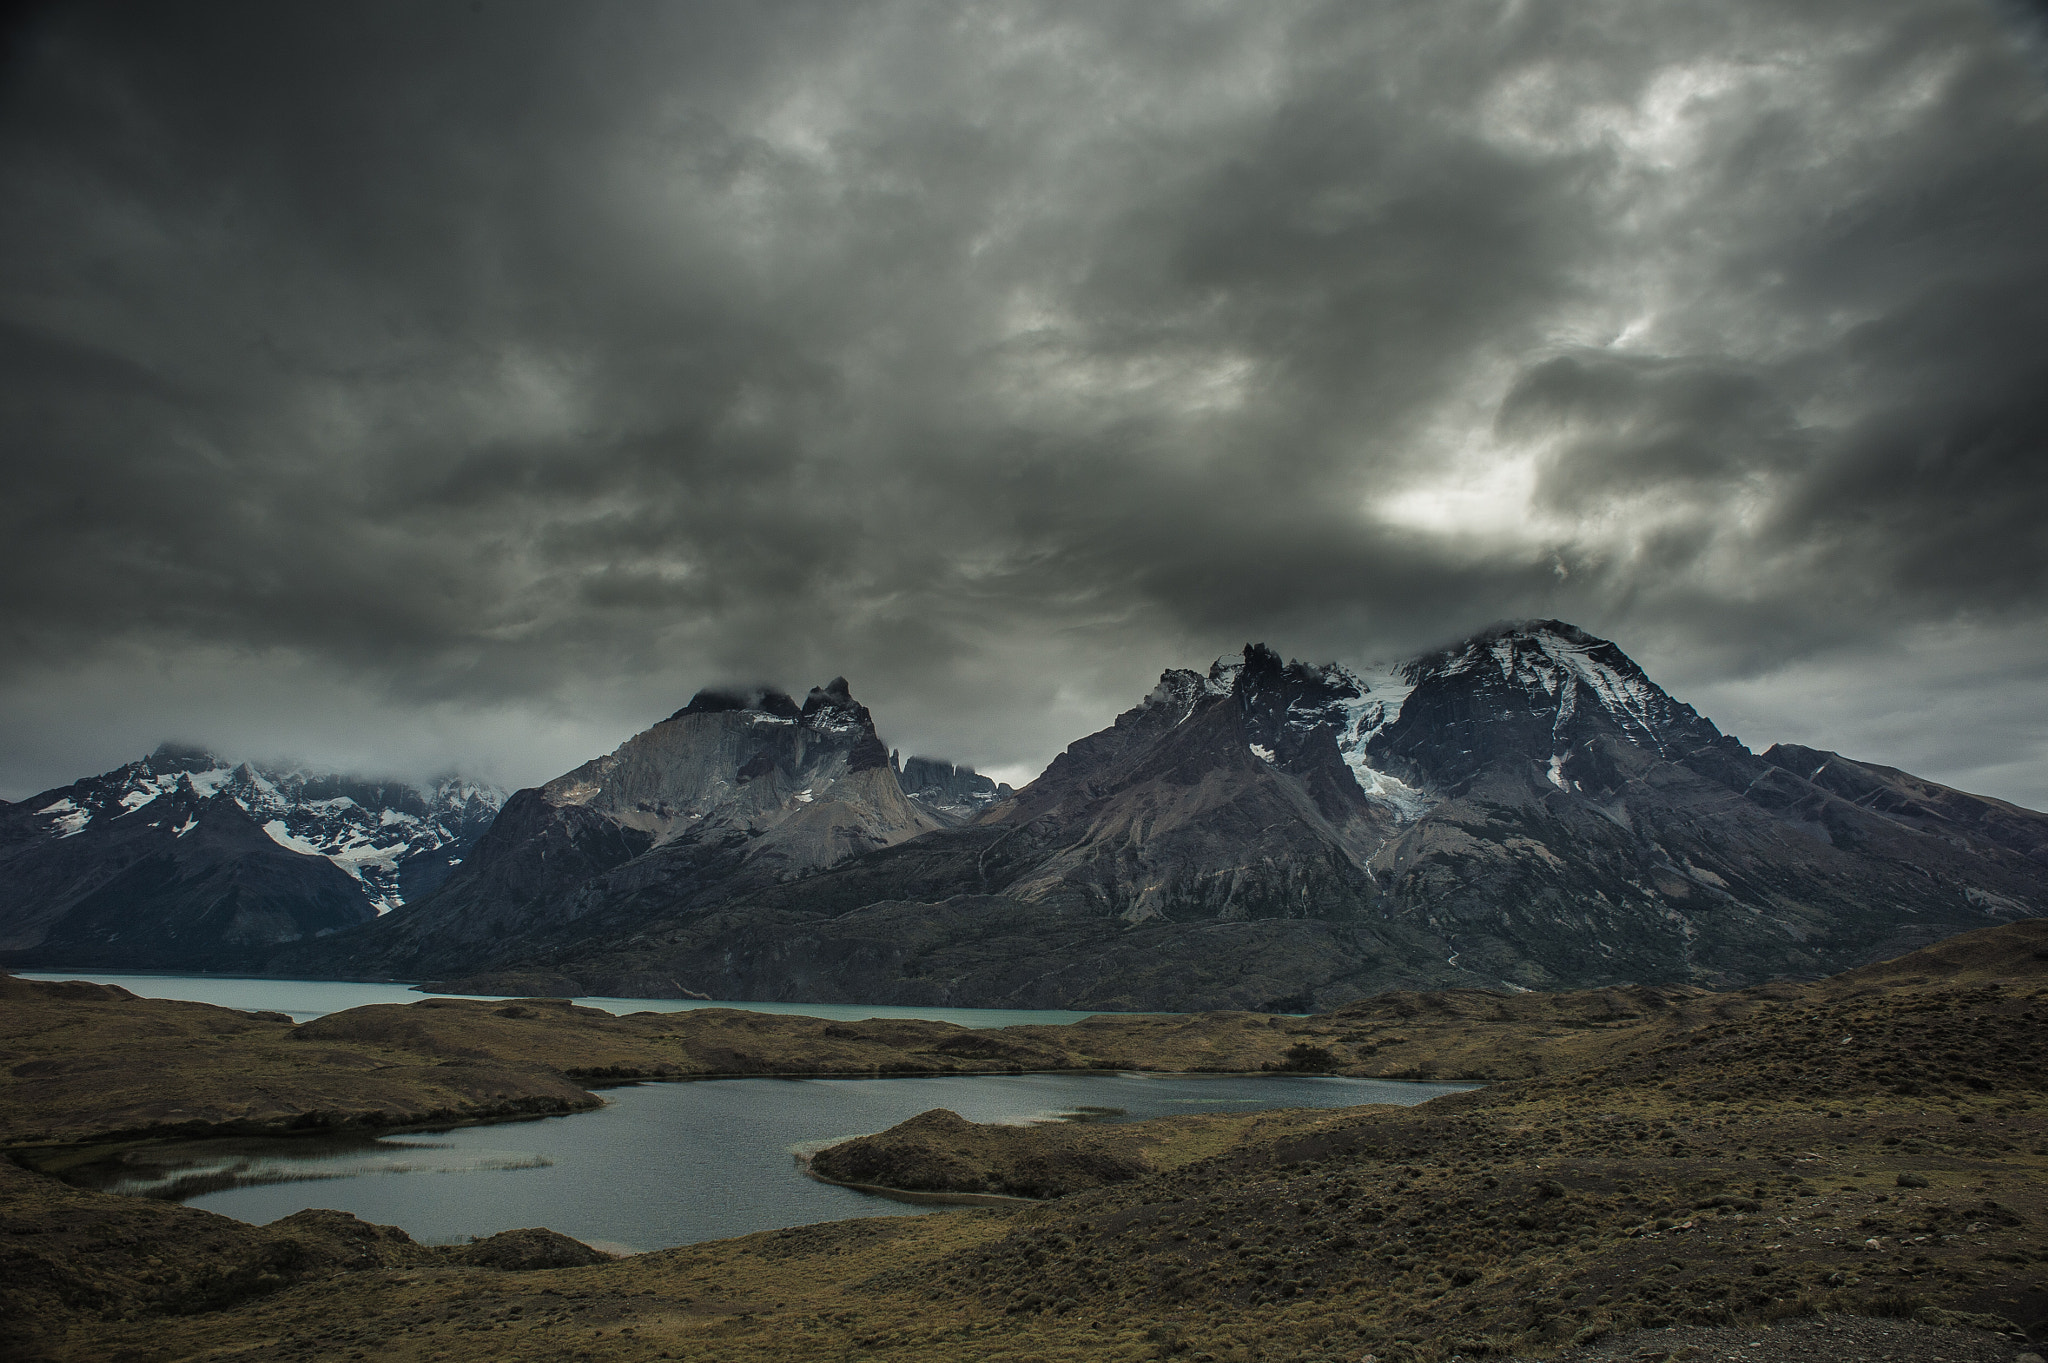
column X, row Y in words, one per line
column 1980, row 822
column 812, row 782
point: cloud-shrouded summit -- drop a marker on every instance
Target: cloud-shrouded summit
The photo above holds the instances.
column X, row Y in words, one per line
column 413, row 386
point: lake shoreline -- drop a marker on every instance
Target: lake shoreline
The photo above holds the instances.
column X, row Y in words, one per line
column 916, row 1197
column 96, row 1064
column 662, row 1165
column 37, row 1155
column 106, row 1080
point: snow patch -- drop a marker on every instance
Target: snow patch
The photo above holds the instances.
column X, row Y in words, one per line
column 70, row 821
column 282, row 836
column 365, row 838
column 1544, row 660
column 1994, row 903
column 262, row 785
column 1378, row 695
column 1263, row 754
column 208, row 783
column 833, row 720
column 1408, row 803
column 362, row 856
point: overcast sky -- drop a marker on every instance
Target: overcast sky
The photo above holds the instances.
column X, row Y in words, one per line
column 423, row 385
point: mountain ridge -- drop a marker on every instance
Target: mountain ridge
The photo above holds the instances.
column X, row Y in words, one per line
column 1524, row 809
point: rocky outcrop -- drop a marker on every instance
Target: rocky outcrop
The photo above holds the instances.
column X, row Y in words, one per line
column 942, row 1152
column 525, row 1251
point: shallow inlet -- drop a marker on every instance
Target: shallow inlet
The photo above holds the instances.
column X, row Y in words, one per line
column 669, row 1164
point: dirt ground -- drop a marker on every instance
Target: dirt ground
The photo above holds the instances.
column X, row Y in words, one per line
column 1827, row 1339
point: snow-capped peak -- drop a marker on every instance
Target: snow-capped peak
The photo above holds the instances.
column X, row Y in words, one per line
column 1571, row 668
column 395, row 838
column 1544, row 675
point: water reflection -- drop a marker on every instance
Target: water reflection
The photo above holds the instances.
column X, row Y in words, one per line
column 1088, row 1113
column 188, row 1169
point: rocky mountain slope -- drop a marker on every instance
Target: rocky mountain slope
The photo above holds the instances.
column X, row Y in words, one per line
column 1525, row 809
column 181, row 859
column 730, row 794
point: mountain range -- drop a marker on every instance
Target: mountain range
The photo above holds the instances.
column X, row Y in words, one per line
column 1525, row 809
column 181, row 860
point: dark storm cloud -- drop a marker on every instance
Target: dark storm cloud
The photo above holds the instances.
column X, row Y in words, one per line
column 504, row 372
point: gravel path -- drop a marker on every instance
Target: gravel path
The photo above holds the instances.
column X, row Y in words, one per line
column 1830, row 1339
